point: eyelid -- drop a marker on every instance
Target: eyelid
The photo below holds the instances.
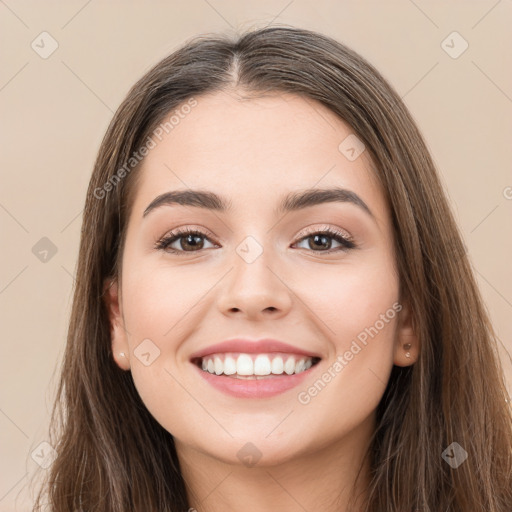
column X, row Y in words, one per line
column 306, row 231
column 325, row 227
column 180, row 230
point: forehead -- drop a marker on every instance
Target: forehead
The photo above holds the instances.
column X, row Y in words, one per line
column 252, row 149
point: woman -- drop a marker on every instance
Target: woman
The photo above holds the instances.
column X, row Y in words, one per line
column 273, row 306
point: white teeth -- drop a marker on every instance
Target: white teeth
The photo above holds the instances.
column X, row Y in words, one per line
column 289, row 366
column 229, row 365
column 219, row 367
column 277, row 366
column 262, row 365
column 243, row 365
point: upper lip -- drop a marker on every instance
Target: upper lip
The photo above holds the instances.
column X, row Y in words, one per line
column 247, row 346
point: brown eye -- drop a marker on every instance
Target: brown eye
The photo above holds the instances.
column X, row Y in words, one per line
column 191, row 242
column 321, row 241
column 184, row 240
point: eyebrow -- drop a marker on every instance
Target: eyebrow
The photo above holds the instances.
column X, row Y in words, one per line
column 291, row 202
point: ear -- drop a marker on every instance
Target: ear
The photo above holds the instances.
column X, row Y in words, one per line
column 119, row 340
column 406, row 335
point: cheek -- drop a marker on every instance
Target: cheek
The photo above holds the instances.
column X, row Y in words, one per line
column 160, row 307
column 349, row 300
column 357, row 311
column 157, row 300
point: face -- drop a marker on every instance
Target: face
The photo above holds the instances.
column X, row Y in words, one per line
column 319, row 277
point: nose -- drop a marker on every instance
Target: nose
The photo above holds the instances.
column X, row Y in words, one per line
column 255, row 289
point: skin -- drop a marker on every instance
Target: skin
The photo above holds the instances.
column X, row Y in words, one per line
column 253, row 152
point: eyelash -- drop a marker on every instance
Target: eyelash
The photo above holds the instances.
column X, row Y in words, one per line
column 346, row 243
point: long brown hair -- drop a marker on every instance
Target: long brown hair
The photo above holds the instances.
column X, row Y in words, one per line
column 112, row 455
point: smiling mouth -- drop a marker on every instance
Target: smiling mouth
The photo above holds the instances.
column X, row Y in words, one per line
column 254, row 366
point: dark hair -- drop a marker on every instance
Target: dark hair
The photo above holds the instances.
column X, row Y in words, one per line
column 454, row 393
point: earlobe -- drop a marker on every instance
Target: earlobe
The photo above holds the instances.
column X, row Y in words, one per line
column 119, row 341
column 407, row 344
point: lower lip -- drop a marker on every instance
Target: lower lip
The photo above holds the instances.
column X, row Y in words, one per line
column 254, row 388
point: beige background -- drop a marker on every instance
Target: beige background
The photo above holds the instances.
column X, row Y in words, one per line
column 54, row 113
